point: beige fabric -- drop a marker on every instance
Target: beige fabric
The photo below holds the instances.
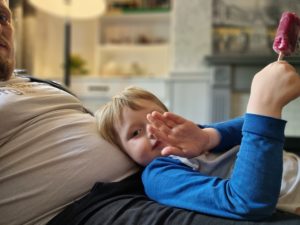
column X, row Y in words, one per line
column 50, row 153
column 290, row 187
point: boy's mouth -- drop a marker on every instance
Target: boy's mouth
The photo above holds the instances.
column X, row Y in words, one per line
column 156, row 145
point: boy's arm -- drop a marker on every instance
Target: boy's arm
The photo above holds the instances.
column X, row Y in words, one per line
column 250, row 193
column 185, row 138
column 253, row 189
column 182, row 137
column 230, row 133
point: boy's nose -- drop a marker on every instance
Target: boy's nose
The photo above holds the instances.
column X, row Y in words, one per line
column 151, row 136
column 149, row 133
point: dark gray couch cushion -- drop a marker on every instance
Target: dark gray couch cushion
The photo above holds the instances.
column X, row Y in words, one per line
column 124, row 203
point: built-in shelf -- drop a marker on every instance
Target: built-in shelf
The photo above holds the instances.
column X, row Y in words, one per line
column 132, row 47
column 135, row 42
column 131, row 16
column 248, row 60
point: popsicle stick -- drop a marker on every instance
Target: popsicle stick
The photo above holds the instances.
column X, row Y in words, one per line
column 280, row 56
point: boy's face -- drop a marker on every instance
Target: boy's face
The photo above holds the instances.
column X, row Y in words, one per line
column 138, row 143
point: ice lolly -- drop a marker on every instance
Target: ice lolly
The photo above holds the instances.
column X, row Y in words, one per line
column 287, row 34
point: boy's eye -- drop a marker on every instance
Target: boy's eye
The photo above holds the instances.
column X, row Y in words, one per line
column 136, row 132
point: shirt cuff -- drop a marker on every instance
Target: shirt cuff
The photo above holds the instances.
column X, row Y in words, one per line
column 264, row 126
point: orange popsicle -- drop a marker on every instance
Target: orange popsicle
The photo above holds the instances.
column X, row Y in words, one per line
column 287, row 34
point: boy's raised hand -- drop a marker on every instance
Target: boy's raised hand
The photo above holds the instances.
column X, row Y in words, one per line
column 272, row 88
column 183, row 137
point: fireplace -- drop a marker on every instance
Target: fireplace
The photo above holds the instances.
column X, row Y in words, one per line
column 232, row 79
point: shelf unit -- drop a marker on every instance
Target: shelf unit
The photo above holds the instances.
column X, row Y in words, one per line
column 134, row 43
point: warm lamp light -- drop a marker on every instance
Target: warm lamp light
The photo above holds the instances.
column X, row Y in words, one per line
column 70, row 10
column 74, row 9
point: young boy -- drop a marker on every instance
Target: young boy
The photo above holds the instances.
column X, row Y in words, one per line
column 240, row 183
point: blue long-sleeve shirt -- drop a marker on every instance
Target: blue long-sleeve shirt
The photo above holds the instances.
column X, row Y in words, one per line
column 252, row 190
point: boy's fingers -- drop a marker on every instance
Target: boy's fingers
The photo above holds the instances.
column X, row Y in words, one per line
column 157, row 123
column 170, row 123
column 169, row 150
column 159, row 134
column 173, row 117
column 157, row 115
column 158, row 120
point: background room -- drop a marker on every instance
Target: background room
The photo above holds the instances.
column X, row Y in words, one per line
column 198, row 56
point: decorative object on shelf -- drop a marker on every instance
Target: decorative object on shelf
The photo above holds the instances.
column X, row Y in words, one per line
column 231, row 40
column 136, row 69
column 137, row 6
column 114, row 69
column 70, row 10
column 246, row 28
column 259, row 35
column 77, row 65
column 111, row 68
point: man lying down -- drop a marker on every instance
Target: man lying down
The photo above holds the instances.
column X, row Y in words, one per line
column 56, row 169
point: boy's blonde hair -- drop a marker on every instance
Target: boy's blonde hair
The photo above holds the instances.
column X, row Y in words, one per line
column 111, row 113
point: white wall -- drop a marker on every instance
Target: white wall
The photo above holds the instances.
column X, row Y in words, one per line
column 48, row 46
